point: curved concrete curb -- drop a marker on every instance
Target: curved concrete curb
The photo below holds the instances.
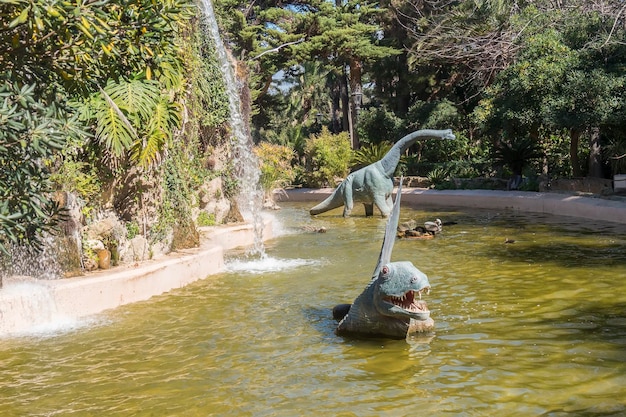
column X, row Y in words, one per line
column 27, row 304
column 549, row 203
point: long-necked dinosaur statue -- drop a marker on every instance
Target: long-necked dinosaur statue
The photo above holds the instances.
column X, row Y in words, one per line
column 373, row 184
column 391, row 305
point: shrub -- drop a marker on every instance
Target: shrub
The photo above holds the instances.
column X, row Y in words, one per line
column 32, row 131
column 378, row 125
column 276, row 169
column 369, row 154
column 328, row 156
column 438, row 175
column 132, row 230
column 205, row 219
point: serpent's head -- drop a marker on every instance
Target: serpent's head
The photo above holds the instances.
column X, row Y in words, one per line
column 399, row 290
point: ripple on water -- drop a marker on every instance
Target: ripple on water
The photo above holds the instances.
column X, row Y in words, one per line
column 530, row 328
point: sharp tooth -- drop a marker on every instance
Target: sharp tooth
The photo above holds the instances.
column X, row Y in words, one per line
column 420, row 294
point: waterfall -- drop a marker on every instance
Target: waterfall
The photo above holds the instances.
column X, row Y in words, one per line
column 250, row 198
column 29, row 262
column 29, row 307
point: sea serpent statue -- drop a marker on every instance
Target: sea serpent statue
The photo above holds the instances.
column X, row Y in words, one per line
column 391, row 305
column 373, row 184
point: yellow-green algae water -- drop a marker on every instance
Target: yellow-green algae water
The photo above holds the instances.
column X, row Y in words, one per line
column 532, row 328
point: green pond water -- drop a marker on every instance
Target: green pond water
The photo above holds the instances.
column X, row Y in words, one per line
column 532, row 328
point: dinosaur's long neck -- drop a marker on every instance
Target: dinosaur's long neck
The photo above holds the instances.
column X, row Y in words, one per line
column 391, row 159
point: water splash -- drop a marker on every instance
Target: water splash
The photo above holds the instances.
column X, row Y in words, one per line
column 267, row 264
column 26, row 261
column 250, row 198
column 38, row 312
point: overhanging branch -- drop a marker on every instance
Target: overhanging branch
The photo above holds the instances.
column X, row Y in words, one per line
column 278, row 48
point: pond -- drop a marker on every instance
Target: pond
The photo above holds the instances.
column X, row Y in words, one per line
column 534, row 327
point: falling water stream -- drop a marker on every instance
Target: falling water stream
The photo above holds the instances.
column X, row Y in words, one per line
column 251, row 196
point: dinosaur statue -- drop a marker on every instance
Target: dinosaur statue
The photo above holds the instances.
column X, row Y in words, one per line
column 373, row 184
column 391, row 305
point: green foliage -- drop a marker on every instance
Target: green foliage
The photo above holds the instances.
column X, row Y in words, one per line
column 175, row 208
column 438, row 175
column 77, row 44
column 369, row 154
column 378, row 125
column 288, row 119
column 209, row 102
column 80, row 178
column 516, row 154
column 436, row 114
column 30, row 133
column 205, row 219
column 328, row 157
column 275, row 161
column 343, row 33
column 74, row 169
column 132, row 117
column 132, row 230
column 68, row 49
column 615, row 152
column 230, row 184
column 567, row 76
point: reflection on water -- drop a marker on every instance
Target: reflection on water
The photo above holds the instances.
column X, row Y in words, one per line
column 536, row 327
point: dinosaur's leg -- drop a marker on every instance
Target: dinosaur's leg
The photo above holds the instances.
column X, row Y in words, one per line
column 381, row 202
column 369, row 209
column 348, row 203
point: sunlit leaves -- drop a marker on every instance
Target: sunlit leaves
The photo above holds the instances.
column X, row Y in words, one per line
column 57, row 52
column 83, row 42
column 132, row 116
column 29, row 134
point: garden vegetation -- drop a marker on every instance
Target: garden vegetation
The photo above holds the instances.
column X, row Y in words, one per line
column 122, row 104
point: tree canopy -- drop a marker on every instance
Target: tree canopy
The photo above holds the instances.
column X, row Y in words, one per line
column 120, row 93
column 548, row 71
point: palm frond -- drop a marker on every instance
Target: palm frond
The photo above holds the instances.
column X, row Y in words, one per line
column 113, row 130
column 369, row 154
column 151, row 152
column 136, row 97
column 164, row 120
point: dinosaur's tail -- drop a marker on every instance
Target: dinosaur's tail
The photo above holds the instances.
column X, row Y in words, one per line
column 333, row 201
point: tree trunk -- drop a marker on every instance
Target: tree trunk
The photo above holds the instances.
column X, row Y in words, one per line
column 345, row 103
column 335, row 106
column 595, row 153
column 574, row 135
column 356, row 93
column 403, row 92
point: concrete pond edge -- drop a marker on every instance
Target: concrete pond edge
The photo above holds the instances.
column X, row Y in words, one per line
column 586, row 207
column 28, row 304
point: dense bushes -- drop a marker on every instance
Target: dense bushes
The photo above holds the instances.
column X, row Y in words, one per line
column 327, row 158
column 30, row 133
column 276, row 169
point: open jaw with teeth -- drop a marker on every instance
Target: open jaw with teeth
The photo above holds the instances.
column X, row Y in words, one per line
column 408, row 302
